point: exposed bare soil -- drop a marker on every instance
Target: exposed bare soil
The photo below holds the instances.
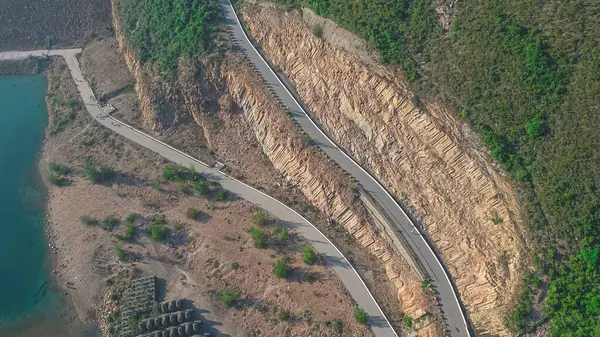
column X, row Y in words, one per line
column 197, row 261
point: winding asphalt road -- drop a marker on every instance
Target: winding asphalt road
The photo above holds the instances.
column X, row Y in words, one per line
column 331, row 255
column 453, row 313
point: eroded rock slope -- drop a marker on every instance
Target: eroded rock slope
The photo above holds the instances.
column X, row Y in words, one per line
column 426, row 157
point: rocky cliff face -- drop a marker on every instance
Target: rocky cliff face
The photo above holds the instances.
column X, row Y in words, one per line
column 426, row 157
column 315, row 175
column 227, row 84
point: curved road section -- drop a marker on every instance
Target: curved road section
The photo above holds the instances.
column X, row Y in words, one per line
column 453, row 313
column 332, row 256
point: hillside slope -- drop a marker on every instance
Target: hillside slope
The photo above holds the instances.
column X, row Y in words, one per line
column 421, row 154
column 525, row 76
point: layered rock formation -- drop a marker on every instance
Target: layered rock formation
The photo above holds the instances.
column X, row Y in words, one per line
column 423, row 155
column 228, row 84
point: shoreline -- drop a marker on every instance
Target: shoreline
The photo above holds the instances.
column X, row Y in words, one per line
column 62, row 318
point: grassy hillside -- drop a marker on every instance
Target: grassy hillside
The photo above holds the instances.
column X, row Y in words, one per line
column 161, row 31
column 526, row 75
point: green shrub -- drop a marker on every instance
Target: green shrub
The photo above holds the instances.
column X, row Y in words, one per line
column 338, row 326
column 156, row 185
column 59, row 169
column 121, row 255
column 308, row 255
column 130, row 218
column 408, row 321
column 161, row 31
column 192, row 213
column 283, row 315
column 229, row 297
column 535, row 127
column 235, row 266
column 170, row 173
column 87, row 220
column 259, row 217
column 158, row 230
column 318, row 30
column 129, row 231
column 94, row 174
column 283, row 232
column 59, row 181
column 110, row 222
column 281, row 268
column 221, row 195
column 201, row 188
column 258, row 237
column 308, row 140
column 360, row 316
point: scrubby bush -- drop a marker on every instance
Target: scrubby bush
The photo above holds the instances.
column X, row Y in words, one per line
column 221, row 195
column 94, row 174
column 259, row 217
column 338, row 326
column 129, row 232
column 158, row 230
column 130, row 218
column 110, row 222
column 308, row 140
column 281, row 268
column 318, row 30
column 192, row 213
column 121, row 255
column 360, row 316
column 258, row 237
column 229, row 297
column 283, row 315
column 59, row 181
column 201, row 187
column 308, row 255
column 282, row 231
column 87, row 220
column 59, row 169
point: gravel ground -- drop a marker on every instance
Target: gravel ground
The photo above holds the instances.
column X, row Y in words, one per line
column 24, row 24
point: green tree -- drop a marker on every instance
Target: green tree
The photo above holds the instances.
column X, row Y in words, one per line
column 360, row 316
column 283, row 232
column 259, row 237
column 308, row 255
column 281, row 268
column 158, row 230
column 229, row 297
column 259, row 217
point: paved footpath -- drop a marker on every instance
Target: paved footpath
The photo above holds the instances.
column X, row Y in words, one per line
column 453, row 313
column 331, row 255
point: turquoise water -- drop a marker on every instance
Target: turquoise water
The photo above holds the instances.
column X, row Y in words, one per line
column 24, row 257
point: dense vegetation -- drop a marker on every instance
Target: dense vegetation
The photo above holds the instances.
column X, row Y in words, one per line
column 526, row 75
column 160, row 31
